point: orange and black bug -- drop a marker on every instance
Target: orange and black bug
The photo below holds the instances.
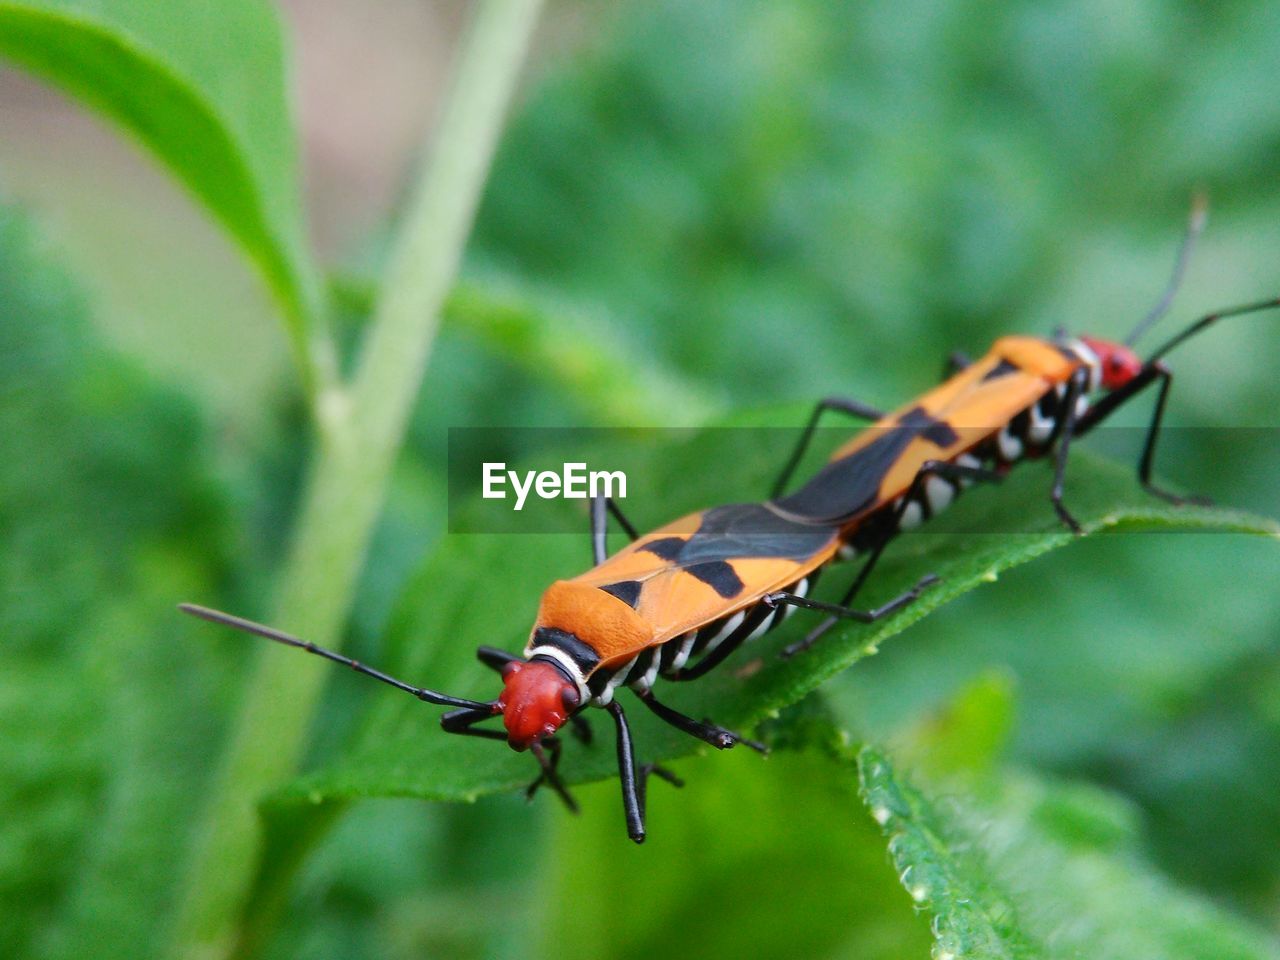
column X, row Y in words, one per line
column 676, row 602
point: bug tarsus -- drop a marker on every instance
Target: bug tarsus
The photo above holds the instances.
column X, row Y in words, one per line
column 706, row 731
column 661, row 773
column 840, row 612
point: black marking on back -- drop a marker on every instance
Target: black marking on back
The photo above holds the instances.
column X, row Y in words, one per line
column 579, row 651
column 752, row 530
column 628, row 591
column 719, row 576
column 1066, row 352
column 1001, row 369
column 934, row 430
column 851, row 484
column 742, row 530
column 668, row 548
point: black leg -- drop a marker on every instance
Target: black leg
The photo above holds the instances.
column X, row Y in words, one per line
column 931, row 468
column 631, row 804
column 601, row 507
column 621, row 517
column 853, row 408
column 549, row 759
column 711, row 660
column 642, row 783
column 496, row 659
column 1149, row 448
column 717, row 736
column 957, row 360
column 821, row 630
column 1074, row 390
column 460, row 722
column 1104, row 407
column 841, row 612
column 1116, row 398
column 599, row 530
column 580, row 729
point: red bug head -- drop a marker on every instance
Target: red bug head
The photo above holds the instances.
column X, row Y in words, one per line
column 1117, row 364
column 535, row 702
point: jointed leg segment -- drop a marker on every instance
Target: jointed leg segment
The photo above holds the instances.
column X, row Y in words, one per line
column 853, row 408
column 841, row 611
column 708, row 732
column 601, row 507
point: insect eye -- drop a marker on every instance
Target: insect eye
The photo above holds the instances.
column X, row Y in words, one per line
column 570, row 697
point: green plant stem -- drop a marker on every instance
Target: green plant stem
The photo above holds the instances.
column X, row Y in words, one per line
column 359, row 433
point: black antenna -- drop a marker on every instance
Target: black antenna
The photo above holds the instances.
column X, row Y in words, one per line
column 1209, row 320
column 1198, row 217
column 248, row 626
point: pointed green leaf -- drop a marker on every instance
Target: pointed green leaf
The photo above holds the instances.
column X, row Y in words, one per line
column 204, row 87
column 1017, row 867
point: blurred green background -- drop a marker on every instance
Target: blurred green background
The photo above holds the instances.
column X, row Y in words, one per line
column 732, row 205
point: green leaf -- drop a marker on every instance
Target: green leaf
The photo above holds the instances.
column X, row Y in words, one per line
column 1018, row 867
column 204, row 87
column 969, row 734
column 728, row 855
column 484, row 590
